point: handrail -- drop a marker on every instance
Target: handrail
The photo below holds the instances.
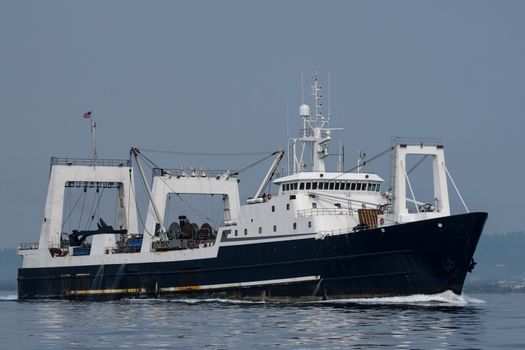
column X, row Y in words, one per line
column 324, row 233
column 423, row 141
column 28, row 246
column 193, row 172
column 90, row 162
column 323, row 211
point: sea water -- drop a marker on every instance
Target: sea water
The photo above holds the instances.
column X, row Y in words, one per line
column 441, row 321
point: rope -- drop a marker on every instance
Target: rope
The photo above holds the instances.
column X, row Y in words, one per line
column 71, row 211
column 202, row 216
column 129, row 201
column 367, row 161
column 82, row 208
column 88, row 223
column 455, row 187
column 254, row 164
column 417, row 164
column 409, row 186
column 219, row 154
column 96, row 208
column 138, row 211
column 153, row 165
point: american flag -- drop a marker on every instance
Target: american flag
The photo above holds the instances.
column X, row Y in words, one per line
column 87, row 115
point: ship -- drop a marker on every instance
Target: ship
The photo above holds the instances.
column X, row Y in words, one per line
column 307, row 233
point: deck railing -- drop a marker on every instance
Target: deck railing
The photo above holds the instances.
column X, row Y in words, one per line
column 323, row 211
column 194, row 172
column 28, row 246
column 90, row 162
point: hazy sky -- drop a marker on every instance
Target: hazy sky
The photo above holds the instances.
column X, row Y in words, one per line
column 218, row 76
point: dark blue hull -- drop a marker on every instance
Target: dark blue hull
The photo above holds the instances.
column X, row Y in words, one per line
column 413, row 258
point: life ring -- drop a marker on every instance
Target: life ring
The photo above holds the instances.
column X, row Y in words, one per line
column 269, row 196
column 381, row 221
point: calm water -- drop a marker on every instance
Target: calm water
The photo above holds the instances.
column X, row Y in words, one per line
column 445, row 321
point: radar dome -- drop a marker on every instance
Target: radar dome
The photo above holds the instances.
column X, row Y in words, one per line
column 304, row 110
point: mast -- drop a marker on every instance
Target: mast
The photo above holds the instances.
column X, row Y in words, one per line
column 314, row 136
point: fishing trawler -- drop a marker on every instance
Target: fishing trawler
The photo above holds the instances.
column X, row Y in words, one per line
column 322, row 234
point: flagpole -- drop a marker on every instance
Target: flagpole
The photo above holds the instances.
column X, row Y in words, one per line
column 93, row 126
column 94, row 140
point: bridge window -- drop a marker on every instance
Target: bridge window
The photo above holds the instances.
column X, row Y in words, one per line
column 326, row 185
column 363, row 187
column 301, row 186
column 284, row 188
column 347, row 186
column 337, row 185
column 378, row 187
column 358, row 187
column 308, row 185
column 295, row 185
column 352, row 188
column 331, row 185
column 314, row 185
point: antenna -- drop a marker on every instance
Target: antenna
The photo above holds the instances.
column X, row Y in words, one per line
column 316, row 92
column 340, row 159
column 302, row 88
column 329, row 95
column 361, row 161
column 287, row 137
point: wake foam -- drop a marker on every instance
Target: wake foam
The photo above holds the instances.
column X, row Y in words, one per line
column 216, row 300
column 447, row 298
column 193, row 301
